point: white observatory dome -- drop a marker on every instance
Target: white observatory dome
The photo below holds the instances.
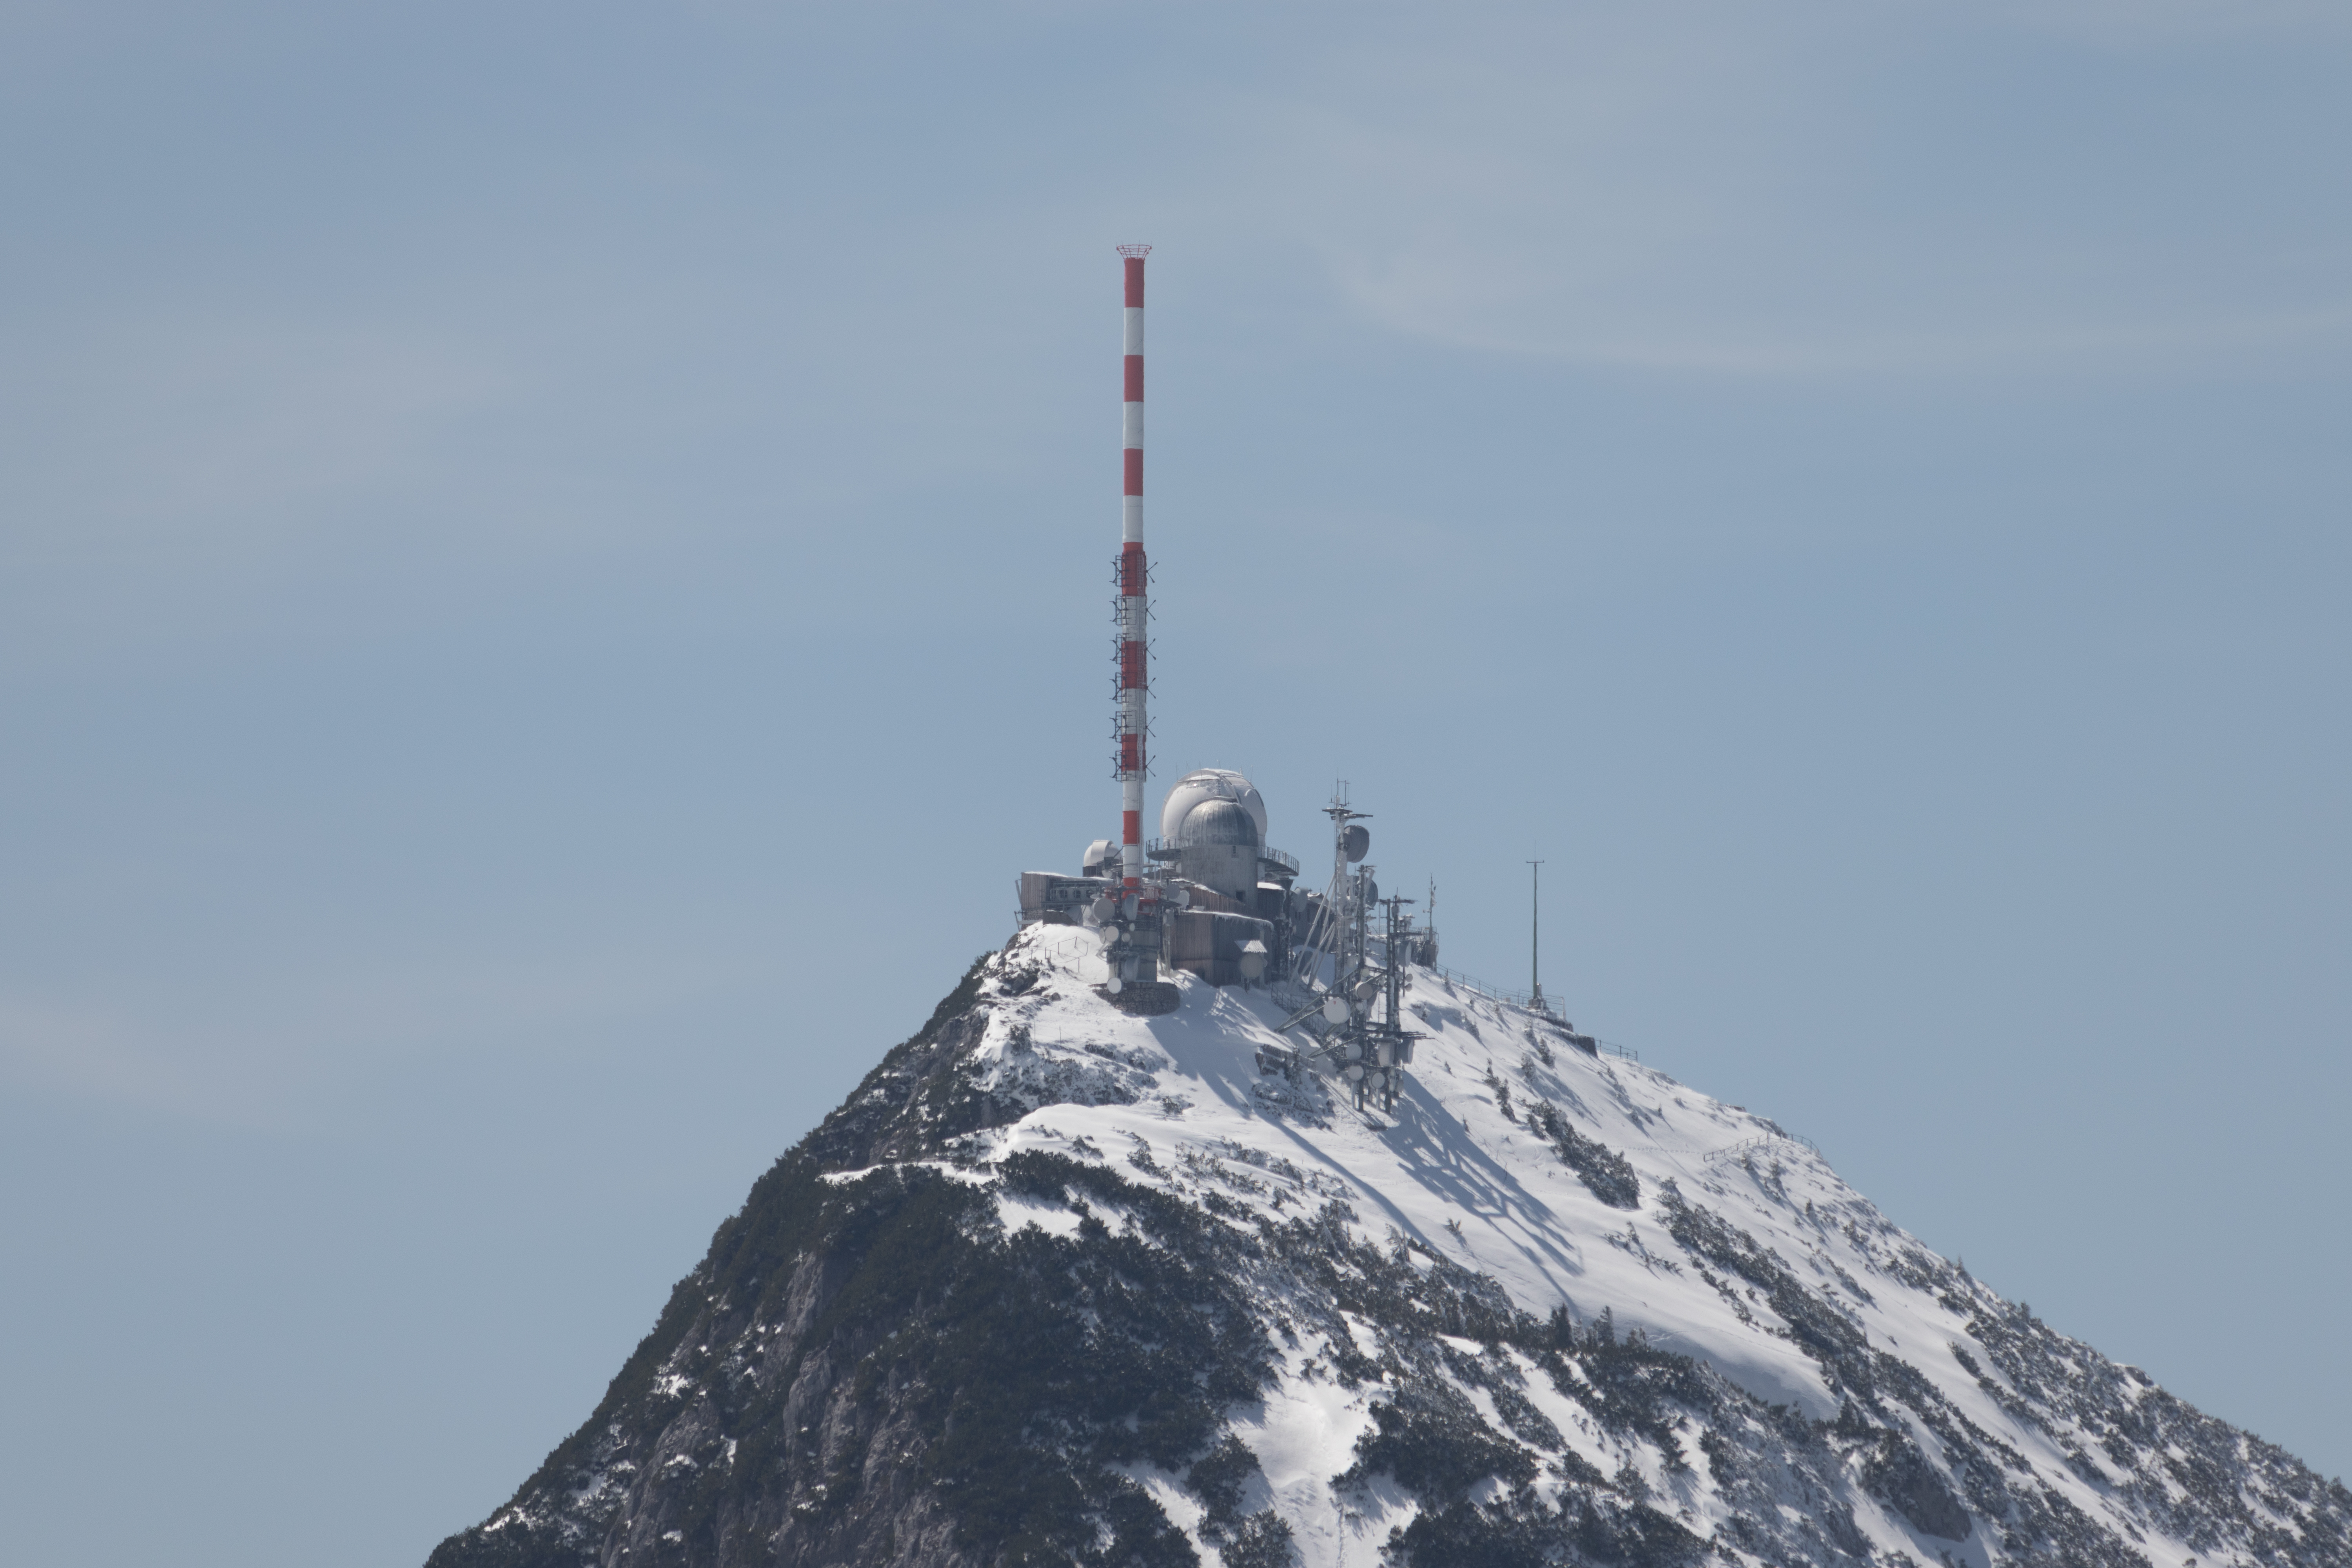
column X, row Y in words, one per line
column 1217, row 820
column 1199, row 787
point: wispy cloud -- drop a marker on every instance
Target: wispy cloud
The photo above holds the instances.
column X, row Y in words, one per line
column 1815, row 191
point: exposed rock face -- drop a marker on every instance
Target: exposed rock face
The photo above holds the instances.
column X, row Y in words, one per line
column 1059, row 1285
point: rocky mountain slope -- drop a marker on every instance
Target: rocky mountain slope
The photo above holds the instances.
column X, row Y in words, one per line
column 1058, row 1285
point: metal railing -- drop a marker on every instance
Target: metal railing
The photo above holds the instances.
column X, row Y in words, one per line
column 1524, row 1000
column 1168, row 850
column 1764, row 1139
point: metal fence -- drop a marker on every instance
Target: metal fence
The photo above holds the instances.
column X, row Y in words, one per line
column 1750, row 1145
column 1526, row 1001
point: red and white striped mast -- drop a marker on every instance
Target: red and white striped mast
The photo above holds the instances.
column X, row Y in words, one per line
column 1134, row 626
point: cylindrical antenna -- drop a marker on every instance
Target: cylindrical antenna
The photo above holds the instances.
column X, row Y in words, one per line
column 1534, row 934
column 1134, row 625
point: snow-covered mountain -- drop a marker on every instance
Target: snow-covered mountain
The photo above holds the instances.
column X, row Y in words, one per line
column 1062, row 1285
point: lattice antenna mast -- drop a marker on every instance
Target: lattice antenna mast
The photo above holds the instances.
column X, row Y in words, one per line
column 1400, row 925
column 1349, row 845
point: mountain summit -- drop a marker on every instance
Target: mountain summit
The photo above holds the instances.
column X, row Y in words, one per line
column 1058, row 1284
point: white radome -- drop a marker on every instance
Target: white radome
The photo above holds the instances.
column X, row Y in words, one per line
column 1203, row 784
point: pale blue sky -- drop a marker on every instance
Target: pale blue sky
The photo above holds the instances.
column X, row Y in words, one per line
column 553, row 567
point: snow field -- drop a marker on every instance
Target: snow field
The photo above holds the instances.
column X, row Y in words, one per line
column 1460, row 1171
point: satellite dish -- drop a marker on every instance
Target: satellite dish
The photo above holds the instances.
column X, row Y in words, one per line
column 1114, row 985
column 1357, row 841
column 1335, row 1009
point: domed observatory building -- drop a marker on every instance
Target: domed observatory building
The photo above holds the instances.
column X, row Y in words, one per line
column 1212, row 827
column 1233, row 892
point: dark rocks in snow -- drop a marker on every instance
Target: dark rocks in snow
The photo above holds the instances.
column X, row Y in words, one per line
column 874, row 1371
column 872, row 1365
column 914, row 1101
column 1898, row 1475
column 1608, row 1173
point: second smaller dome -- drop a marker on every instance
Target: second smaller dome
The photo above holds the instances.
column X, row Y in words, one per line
column 1218, row 822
